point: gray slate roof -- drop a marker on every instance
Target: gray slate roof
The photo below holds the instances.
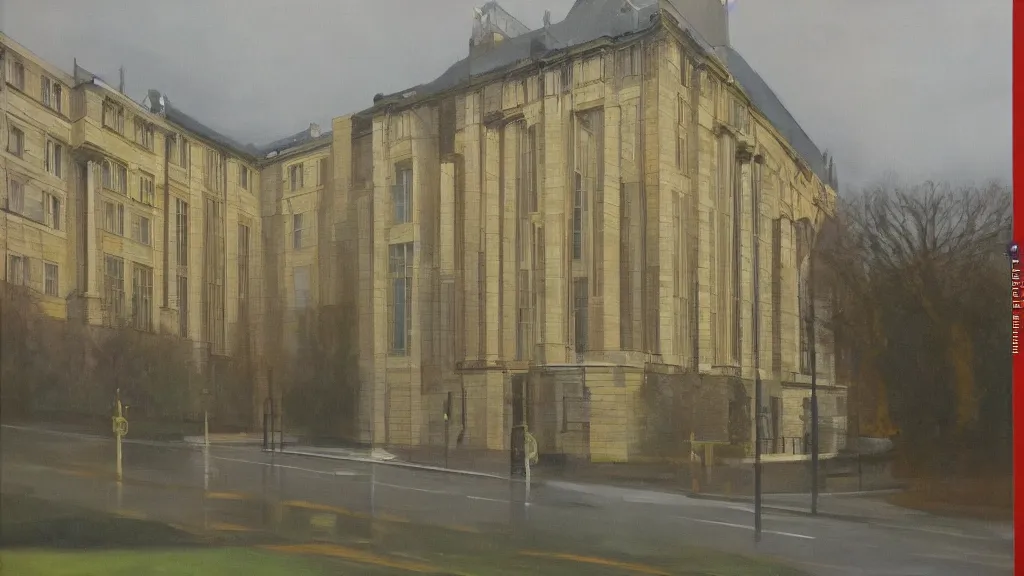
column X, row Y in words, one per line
column 590, row 20
column 587, row 20
column 765, row 100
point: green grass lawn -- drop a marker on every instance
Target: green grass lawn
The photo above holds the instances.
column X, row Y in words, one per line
column 55, row 539
column 185, row 562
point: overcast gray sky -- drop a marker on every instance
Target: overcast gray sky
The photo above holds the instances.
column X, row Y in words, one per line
column 920, row 87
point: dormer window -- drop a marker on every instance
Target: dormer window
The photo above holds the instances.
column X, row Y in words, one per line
column 144, row 134
column 17, row 74
column 113, row 117
column 51, row 94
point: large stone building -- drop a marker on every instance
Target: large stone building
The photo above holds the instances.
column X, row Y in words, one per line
column 557, row 231
column 562, row 234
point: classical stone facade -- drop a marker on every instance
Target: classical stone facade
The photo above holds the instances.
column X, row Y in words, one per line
column 119, row 213
column 569, row 229
column 558, row 231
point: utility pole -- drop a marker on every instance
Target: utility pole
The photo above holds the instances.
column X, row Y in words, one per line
column 756, row 329
column 812, row 335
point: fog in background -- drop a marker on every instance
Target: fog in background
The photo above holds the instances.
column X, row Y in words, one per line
column 921, row 87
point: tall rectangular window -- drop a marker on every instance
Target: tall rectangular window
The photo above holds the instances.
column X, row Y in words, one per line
column 243, row 176
column 295, row 176
column 298, row 226
column 401, row 196
column 16, row 196
column 214, row 173
column 144, row 134
column 181, row 230
column 682, row 152
column 17, row 270
column 52, row 214
column 580, row 309
column 243, row 264
column 15, row 141
column 113, row 290
column 18, row 75
column 578, row 206
column 53, row 159
column 147, row 194
column 115, row 177
column 142, row 297
column 400, row 299
column 321, row 171
column 212, row 299
column 301, row 284
column 183, row 306
column 113, row 117
column 528, row 169
column 524, row 320
column 183, row 153
column 51, row 286
column 113, row 218
column 142, row 230
column 45, row 94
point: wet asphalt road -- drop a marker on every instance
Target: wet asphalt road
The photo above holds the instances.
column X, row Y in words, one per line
column 183, row 485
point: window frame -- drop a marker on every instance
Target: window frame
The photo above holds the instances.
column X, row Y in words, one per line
column 296, row 177
column 24, row 269
column 49, row 282
column 142, row 229
column 401, row 195
column 53, row 210
column 401, row 256
column 181, row 231
column 108, row 172
column 147, row 197
column 17, row 74
column 113, row 116
column 53, row 157
column 15, row 140
column 113, row 217
column 142, row 297
column 15, row 202
column 298, row 227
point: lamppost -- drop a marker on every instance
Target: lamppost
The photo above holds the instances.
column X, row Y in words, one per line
column 745, row 156
column 812, row 326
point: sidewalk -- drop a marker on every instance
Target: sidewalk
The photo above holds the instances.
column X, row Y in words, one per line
column 872, row 508
column 864, row 507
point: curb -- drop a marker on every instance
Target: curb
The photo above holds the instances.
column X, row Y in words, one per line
column 396, row 463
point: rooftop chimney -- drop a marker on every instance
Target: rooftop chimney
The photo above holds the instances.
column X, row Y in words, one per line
column 314, row 130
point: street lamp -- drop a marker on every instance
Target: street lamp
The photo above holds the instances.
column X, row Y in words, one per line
column 812, row 335
column 755, row 193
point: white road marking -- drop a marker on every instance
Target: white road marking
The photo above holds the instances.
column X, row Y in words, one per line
column 745, row 527
column 287, row 467
column 487, row 499
column 443, row 492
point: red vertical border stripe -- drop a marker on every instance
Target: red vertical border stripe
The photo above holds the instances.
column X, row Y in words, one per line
column 1018, row 237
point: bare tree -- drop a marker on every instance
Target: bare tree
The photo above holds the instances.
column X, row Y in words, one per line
column 322, row 394
column 921, row 286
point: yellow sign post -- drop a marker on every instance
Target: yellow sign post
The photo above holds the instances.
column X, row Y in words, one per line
column 120, row 430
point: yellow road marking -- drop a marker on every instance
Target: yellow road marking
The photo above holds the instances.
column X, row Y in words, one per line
column 226, row 496
column 133, row 514
column 226, row 527
column 640, row 568
column 390, row 518
column 321, row 508
column 353, row 555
